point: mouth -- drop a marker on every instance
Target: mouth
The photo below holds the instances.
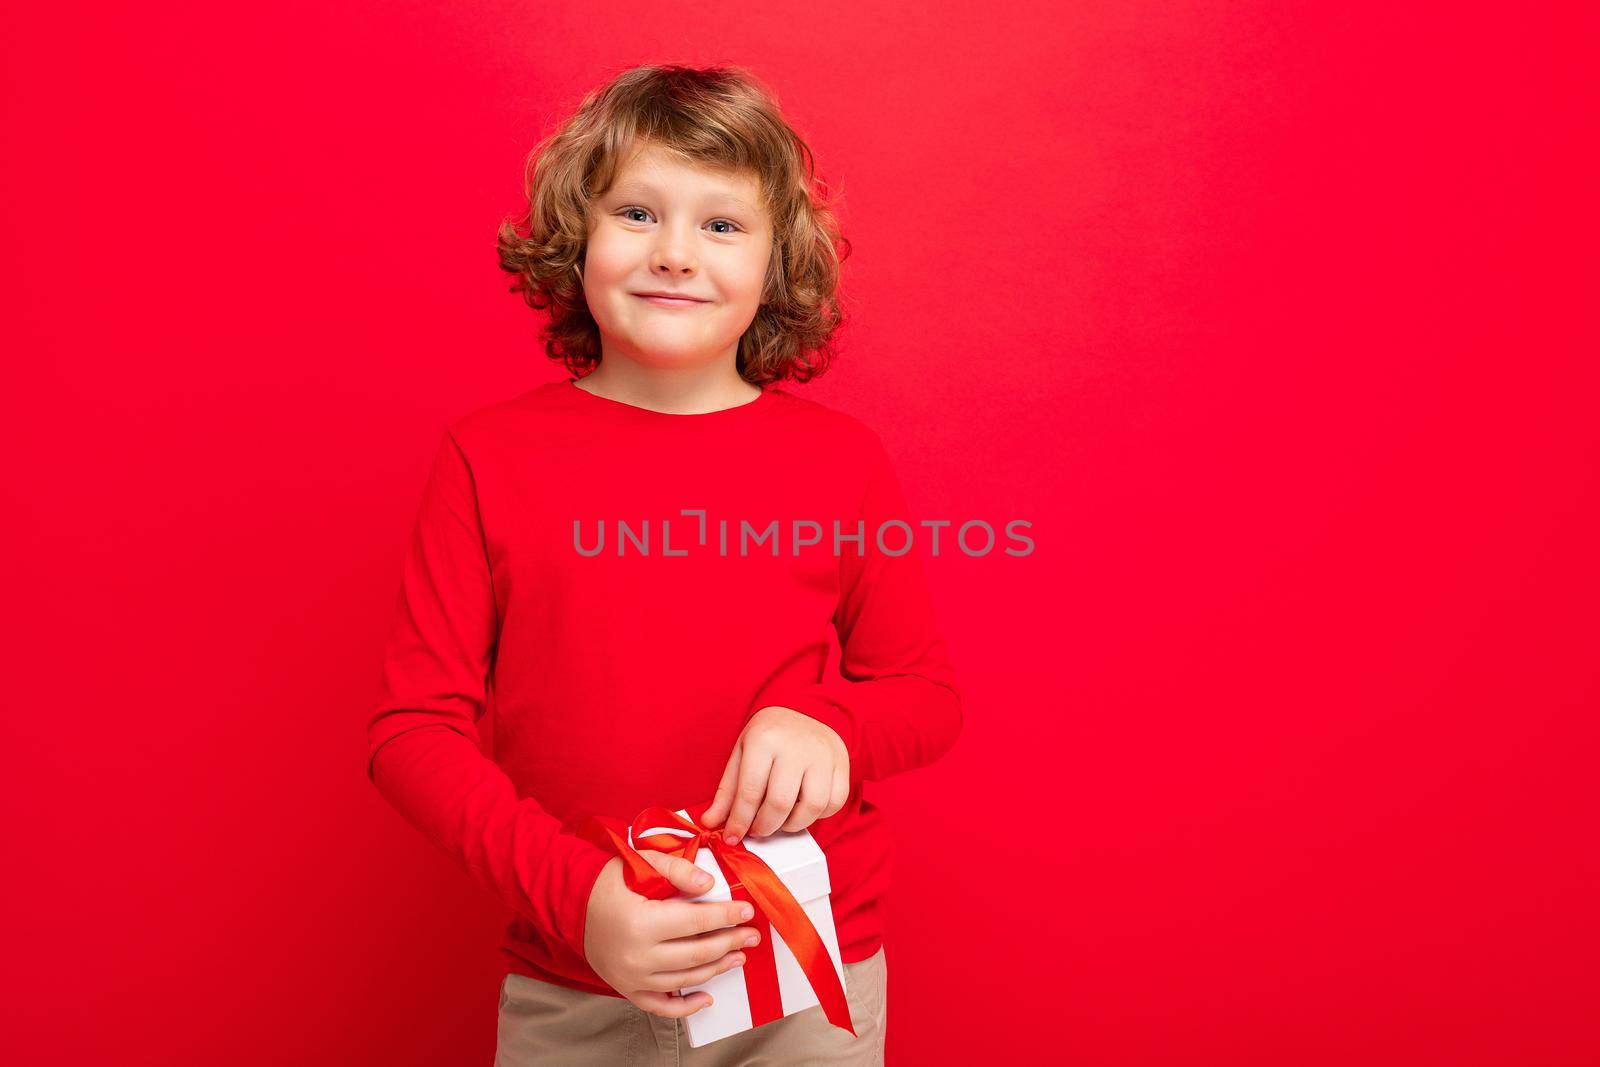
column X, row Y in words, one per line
column 663, row 300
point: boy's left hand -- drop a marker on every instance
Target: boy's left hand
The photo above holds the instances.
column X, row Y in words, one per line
column 787, row 770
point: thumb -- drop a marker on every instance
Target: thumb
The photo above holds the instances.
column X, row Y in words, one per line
column 684, row 876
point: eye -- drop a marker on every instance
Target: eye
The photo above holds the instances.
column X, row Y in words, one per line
column 627, row 213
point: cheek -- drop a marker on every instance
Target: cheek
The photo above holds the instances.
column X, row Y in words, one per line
column 605, row 259
column 744, row 279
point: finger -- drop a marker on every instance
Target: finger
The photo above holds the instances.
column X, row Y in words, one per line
column 685, row 877
column 685, row 952
column 754, row 766
column 813, row 799
column 720, row 804
column 670, row 1006
column 841, row 789
column 783, row 789
column 670, row 980
column 670, row 919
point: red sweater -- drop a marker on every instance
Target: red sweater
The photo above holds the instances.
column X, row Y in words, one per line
column 620, row 679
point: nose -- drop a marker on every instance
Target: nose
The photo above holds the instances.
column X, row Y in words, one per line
column 672, row 255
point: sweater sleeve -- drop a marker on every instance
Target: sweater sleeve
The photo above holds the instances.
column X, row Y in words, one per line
column 899, row 707
column 434, row 688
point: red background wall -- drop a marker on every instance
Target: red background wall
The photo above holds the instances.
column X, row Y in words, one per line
column 1279, row 747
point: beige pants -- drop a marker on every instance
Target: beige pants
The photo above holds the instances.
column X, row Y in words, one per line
column 544, row 1024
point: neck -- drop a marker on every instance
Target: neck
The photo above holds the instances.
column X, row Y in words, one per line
column 676, row 391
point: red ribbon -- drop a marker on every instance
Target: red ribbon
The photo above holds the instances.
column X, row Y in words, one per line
column 749, row 878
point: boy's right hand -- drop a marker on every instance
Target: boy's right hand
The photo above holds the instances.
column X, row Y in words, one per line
column 647, row 949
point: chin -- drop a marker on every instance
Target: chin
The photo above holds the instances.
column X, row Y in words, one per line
column 657, row 353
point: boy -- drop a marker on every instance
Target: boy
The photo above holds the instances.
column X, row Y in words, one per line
column 636, row 571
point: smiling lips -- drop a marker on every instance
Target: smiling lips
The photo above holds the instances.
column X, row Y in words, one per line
column 670, row 301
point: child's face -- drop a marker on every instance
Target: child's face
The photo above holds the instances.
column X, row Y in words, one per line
column 666, row 225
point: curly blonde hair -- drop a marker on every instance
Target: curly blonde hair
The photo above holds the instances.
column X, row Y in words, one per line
column 719, row 117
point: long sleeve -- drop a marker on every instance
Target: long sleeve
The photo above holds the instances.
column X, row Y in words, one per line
column 434, row 688
column 899, row 707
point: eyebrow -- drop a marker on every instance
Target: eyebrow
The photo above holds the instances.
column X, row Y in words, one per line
column 638, row 188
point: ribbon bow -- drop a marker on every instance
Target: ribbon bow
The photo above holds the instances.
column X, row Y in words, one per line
column 749, row 878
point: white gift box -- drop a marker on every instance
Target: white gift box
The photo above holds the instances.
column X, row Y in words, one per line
column 798, row 862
